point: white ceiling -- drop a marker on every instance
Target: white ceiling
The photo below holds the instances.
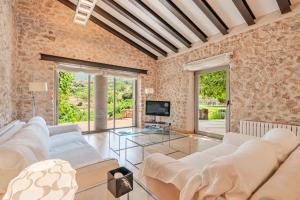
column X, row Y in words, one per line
column 224, row 8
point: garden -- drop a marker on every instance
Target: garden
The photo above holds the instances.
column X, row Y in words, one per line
column 212, row 95
column 73, row 97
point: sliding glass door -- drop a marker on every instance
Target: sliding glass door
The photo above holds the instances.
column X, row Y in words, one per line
column 124, row 102
column 95, row 102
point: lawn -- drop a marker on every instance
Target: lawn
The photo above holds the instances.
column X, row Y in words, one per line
column 215, row 112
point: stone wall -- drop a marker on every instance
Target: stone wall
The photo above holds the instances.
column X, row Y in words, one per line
column 7, row 41
column 265, row 75
column 46, row 26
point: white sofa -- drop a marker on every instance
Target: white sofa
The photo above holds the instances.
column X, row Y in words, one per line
column 234, row 169
column 22, row 144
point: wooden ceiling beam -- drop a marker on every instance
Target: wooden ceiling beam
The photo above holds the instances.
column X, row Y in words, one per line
column 212, row 15
column 111, row 30
column 140, row 24
column 184, row 19
column 143, row 7
column 127, row 29
column 284, row 6
column 86, row 63
column 245, row 11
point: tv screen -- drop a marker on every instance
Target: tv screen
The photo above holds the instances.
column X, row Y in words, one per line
column 158, row 108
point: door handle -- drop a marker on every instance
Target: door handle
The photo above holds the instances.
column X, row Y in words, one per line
column 228, row 102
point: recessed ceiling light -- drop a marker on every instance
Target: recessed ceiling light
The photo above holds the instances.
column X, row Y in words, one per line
column 84, row 10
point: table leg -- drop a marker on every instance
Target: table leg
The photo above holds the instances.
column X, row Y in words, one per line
column 190, row 142
column 109, row 139
column 125, row 149
column 143, row 153
column 119, row 145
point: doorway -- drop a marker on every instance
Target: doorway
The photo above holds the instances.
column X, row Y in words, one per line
column 212, row 97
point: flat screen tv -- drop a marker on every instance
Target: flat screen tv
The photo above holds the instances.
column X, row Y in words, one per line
column 158, row 108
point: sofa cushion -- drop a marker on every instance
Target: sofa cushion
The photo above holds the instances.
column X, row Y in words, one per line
column 284, row 184
column 65, row 138
column 236, row 138
column 285, row 140
column 39, row 121
column 5, row 128
column 74, row 148
column 237, row 175
column 10, row 130
column 79, row 155
column 13, row 159
column 33, row 137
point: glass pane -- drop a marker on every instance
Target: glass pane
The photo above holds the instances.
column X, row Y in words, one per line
column 212, row 102
column 124, row 110
column 110, row 103
column 73, row 99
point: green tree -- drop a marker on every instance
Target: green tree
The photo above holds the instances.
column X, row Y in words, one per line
column 213, row 85
column 64, row 83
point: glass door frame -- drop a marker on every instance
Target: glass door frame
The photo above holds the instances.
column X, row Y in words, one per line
column 196, row 96
column 56, row 98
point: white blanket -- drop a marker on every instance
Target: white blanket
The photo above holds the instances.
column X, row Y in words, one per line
column 167, row 169
column 233, row 176
column 178, row 172
column 236, row 176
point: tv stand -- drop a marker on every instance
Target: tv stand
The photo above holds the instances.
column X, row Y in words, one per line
column 157, row 124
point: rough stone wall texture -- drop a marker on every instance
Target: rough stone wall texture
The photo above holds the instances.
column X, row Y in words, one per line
column 265, row 75
column 46, row 26
column 7, row 42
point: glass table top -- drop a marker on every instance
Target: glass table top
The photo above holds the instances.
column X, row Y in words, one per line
column 134, row 131
column 155, row 138
column 100, row 192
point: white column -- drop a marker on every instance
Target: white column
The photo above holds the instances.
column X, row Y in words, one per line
column 100, row 109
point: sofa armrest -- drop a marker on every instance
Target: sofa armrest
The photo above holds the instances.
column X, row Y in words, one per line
column 59, row 129
column 91, row 175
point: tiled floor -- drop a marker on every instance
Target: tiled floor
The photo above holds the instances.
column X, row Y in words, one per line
column 217, row 126
column 124, row 122
column 191, row 144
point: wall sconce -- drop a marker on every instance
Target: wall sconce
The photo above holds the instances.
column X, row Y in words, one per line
column 149, row 91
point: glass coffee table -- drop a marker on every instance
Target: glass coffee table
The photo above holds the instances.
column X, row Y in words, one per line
column 148, row 139
column 116, row 144
column 100, row 192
